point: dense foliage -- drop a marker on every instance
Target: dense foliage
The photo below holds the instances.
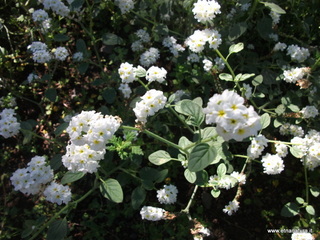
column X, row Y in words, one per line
column 167, row 119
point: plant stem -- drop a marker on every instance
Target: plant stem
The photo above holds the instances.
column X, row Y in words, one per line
column 184, row 123
column 186, row 210
column 226, row 62
column 306, row 179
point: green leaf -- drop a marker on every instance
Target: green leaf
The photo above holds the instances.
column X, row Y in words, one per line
column 236, row 48
column 274, row 7
column 202, row 178
column 293, row 108
column 51, row 94
column 265, row 120
column 184, row 142
column 57, row 230
column 215, row 193
column 226, row 77
column 71, row 177
column 153, row 175
column 137, row 197
column 109, row 95
column 264, row 27
column 159, row 157
column 111, row 189
column 82, row 67
column 140, row 72
column 300, row 200
column 82, row 47
column 257, row 80
column 61, row 37
column 55, row 162
column 60, row 128
column 237, row 30
column 209, row 132
column 76, row 4
column 245, row 76
column 111, row 39
column 310, row 210
column 190, row 176
column 221, row 170
column 280, row 109
column 315, row 191
column 201, row 156
column 194, row 111
column 290, row 210
column 296, row 152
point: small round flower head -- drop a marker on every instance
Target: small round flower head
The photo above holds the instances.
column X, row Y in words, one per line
column 77, row 57
column 301, row 236
column 156, row 74
column 205, row 10
column 151, row 102
column 274, row 37
column 275, row 17
column 57, row 193
column 125, row 5
column 171, row 43
column 125, row 89
column 39, row 15
column 291, row 129
column 197, row 40
column 298, row 54
column 61, row 53
column 219, row 63
column 207, row 65
column 232, row 207
column 137, row 46
column 309, row 112
column 293, row 75
column 214, row 39
column 168, row 194
column 281, row 149
column 9, row 125
column 56, row 6
column 245, row 7
column 149, row 57
column 41, row 56
column 280, row 46
column 272, row 164
column 241, row 177
column 31, row 77
column 127, row 72
column 247, row 90
column 143, row 35
column 193, row 57
column 37, row 46
column 152, row 213
column 257, row 146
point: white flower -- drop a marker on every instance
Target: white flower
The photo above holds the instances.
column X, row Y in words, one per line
column 241, row 177
column 298, row 54
column 156, row 74
column 207, row 65
column 281, row 149
column 205, row 10
column 196, row 42
column 293, row 75
column 57, row 193
column 125, row 89
column 152, row 213
column 143, row 35
column 291, row 129
column 309, row 112
column 127, row 72
column 61, row 53
column 274, row 37
column 152, row 101
column 77, row 57
column 257, row 146
column 247, row 90
column 56, row 6
column 125, row 5
column 31, row 77
column 275, row 17
column 168, row 194
column 171, row 43
column 39, row 15
column 301, row 236
column 9, row 125
column 280, row 46
column 219, row 63
column 231, row 208
column 41, row 56
column 137, row 46
column 193, row 57
column 272, row 164
column 37, row 46
column 149, row 57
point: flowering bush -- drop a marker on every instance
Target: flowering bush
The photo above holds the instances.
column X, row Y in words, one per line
column 184, row 118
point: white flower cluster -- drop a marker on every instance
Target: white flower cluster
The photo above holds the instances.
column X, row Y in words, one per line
column 219, row 63
column 31, row 77
column 167, row 194
column 9, row 125
column 241, row 177
column 193, row 57
column 247, row 90
column 89, row 133
column 57, row 193
column 149, row 57
column 174, row 47
column 56, row 6
column 232, row 207
column 309, row 112
column 196, row 42
column 127, row 72
column 143, row 37
column 77, row 57
column 40, row 53
column 125, row 89
column 275, row 17
column 279, row 46
column 281, row 149
column 207, row 65
column 61, row 53
column 291, row 129
column 258, row 144
column 152, row 101
column 125, row 5
column 29, row 180
column 233, row 119
column 156, row 74
column 152, row 213
column 298, row 54
column 294, row 74
column 272, row 164
column 40, row 15
column 310, row 148
column 205, row 10
column 224, row 182
column 302, row 236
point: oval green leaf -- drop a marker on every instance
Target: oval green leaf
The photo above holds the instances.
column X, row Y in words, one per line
column 71, row 177
column 159, row 157
column 200, row 157
column 111, row 189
